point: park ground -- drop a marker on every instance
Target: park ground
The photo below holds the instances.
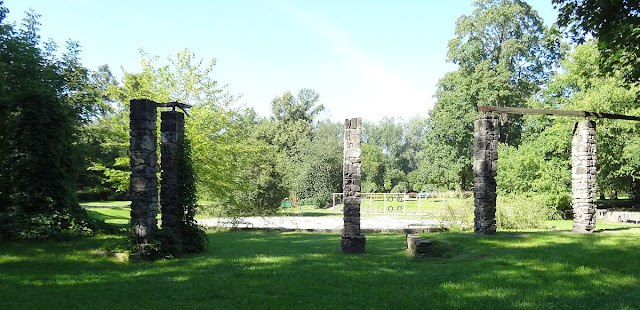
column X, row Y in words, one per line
column 267, row 269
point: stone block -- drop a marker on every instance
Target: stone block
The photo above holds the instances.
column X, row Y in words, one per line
column 353, row 244
column 143, row 143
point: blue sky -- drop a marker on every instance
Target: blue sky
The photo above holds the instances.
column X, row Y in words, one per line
column 365, row 58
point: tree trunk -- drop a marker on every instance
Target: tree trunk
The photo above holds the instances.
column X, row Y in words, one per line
column 635, row 196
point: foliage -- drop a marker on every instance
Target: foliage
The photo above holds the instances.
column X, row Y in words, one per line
column 391, row 150
column 288, row 108
column 227, row 164
column 580, row 87
column 319, row 173
column 616, row 26
column 513, row 211
column 117, row 176
column 525, row 211
column 373, row 167
column 37, row 135
column 458, row 215
column 504, row 54
column 192, row 236
column 266, row 191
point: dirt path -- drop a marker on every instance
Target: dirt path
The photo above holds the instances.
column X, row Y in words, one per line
column 318, row 223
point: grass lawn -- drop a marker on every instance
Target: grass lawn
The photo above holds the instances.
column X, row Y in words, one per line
column 116, row 215
column 294, row 270
column 106, row 203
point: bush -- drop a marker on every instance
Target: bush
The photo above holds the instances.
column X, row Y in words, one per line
column 522, row 211
column 458, row 215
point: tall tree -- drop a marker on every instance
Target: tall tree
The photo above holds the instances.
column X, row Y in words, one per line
column 304, row 106
column 37, row 135
column 290, row 131
column 319, row 171
column 616, row 25
column 504, row 53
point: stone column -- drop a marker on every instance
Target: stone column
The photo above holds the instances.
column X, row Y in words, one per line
column 144, row 181
column 171, row 131
column 353, row 241
column 485, row 167
column 583, row 176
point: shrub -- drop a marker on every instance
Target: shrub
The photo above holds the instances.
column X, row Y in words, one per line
column 458, row 215
column 522, row 211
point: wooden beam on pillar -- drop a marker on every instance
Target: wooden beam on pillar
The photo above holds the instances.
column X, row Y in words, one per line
column 527, row 111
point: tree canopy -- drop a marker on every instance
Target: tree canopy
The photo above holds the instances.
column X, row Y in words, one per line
column 616, row 25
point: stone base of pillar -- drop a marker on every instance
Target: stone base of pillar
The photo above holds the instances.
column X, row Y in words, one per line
column 353, row 244
column 583, row 229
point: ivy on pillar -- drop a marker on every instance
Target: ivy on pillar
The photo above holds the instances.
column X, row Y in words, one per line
column 171, row 131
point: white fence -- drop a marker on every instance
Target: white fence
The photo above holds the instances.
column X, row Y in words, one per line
column 396, row 203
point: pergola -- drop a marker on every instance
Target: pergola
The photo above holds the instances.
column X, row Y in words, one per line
column 583, row 165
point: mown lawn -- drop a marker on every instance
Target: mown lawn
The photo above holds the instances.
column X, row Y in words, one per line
column 294, row 270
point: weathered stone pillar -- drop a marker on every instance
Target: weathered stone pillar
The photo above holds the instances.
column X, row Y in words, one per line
column 171, row 131
column 144, row 181
column 353, row 241
column 485, row 167
column 583, row 176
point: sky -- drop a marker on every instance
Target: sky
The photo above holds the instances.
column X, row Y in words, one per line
column 369, row 59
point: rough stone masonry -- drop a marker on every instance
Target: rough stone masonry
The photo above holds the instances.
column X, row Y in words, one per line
column 353, row 241
column 583, row 176
column 485, row 167
column 171, row 131
column 144, row 181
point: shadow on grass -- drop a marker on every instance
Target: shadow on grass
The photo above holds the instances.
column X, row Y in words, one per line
column 615, row 229
column 267, row 269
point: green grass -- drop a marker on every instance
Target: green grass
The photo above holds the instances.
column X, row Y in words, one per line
column 294, row 270
column 106, row 203
column 117, row 215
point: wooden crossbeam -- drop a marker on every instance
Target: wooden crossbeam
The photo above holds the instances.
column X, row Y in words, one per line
column 511, row 110
column 174, row 104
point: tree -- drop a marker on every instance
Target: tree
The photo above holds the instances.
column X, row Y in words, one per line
column 288, row 108
column 290, row 131
column 319, row 172
column 373, row 168
column 616, row 25
column 37, row 135
column 582, row 87
column 504, row 53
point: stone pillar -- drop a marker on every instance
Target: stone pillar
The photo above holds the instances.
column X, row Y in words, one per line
column 353, row 241
column 583, row 176
column 171, row 131
column 144, row 181
column 485, row 167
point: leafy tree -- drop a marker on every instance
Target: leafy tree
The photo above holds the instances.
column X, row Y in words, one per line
column 542, row 163
column 319, row 173
column 504, row 53
column 288, row 108
column 290, row 131
column 616, row 25
column 37, row 135
column 373, row 168
column 581, row 87
column 394, row 148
